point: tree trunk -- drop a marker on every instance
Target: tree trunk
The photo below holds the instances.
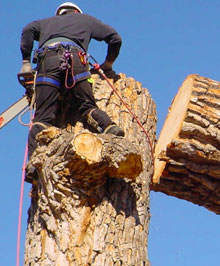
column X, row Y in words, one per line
column 187, row 153
column 90, row 205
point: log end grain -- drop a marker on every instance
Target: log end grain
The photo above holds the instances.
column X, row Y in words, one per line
column 88, row 146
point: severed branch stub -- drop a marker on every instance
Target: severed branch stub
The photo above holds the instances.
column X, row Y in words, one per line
column 87, row 156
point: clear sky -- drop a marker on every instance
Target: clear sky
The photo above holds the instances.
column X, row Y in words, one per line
column 163, row 42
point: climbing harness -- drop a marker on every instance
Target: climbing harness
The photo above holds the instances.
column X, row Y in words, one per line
column 68, row 60
column 57, row 83
column 68, row 64
column 97, row 67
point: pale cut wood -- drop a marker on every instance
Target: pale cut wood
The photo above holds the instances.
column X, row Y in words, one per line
column 90, row 205
column 89, row 146
column 188, row 159
column 172, row 125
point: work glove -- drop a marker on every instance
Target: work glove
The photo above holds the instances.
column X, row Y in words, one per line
column 106, row 66
column 26, row 67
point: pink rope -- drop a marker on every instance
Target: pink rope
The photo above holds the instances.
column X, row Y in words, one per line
column 20, row 206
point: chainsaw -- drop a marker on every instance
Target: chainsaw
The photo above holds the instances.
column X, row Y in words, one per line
column 27, row 81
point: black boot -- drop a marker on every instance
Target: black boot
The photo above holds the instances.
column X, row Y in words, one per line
column 115, row 130
column 100, row 121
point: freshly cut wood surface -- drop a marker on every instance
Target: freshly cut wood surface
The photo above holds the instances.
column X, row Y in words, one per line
column 173, row 124
column 89, row 146
column 188, row 160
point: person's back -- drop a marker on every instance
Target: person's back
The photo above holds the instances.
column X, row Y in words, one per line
column 77, row 27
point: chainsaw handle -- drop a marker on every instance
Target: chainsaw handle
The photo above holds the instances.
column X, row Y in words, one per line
column 26, row 79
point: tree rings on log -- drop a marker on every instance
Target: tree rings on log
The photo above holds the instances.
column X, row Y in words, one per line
column 89, row 146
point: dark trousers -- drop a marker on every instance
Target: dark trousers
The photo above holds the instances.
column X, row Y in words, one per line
column 47, row 99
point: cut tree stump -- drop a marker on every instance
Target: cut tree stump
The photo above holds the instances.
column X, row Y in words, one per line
column 90, row 204
column 187, row 154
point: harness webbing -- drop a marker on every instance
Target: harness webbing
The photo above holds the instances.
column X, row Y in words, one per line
column 55, row 45
column 48, row 80
column 58, row 83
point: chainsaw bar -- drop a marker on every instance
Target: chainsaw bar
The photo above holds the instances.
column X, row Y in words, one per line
column 13, row 111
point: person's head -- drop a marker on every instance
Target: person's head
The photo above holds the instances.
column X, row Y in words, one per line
column 66, row 7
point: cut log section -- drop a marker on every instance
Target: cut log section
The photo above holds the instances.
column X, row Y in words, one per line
column 187, row 155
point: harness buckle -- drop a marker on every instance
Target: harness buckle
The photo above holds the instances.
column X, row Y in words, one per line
column 83, row 57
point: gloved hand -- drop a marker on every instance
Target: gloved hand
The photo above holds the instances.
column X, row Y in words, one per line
column 26, row 67
column 106, row 66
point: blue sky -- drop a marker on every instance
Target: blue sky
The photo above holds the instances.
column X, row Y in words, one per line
column 163, row 42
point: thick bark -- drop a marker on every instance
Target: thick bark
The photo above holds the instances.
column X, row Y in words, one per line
column 90, row 205
column 187, row 154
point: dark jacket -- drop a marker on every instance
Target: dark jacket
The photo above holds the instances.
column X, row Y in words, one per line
column 80, row 28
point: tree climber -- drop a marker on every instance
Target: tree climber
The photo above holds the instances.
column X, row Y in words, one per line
column 62, row 64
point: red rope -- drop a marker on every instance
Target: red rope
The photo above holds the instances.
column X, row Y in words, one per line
column 97, row 67
column 72, row 73
column 20, row 206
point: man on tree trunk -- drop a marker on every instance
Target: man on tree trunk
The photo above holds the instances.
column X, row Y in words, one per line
column 62, row 66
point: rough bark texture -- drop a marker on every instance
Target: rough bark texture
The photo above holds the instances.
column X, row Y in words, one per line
column 90, row 205
column 190, row 161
